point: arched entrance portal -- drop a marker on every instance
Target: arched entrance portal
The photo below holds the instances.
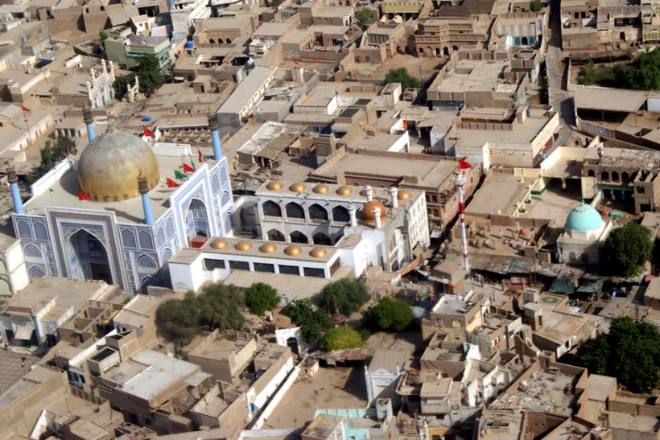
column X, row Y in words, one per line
column 196, row 221
column 91, row 258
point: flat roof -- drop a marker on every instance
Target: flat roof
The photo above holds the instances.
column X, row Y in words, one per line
column 246, row 89
column 273, row 29
column 615, row 100
column 523, row 133
column 500, row 193
column 389, row 360
column 473, row 76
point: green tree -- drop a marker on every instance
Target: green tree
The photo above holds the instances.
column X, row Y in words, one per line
column 312, row 323
column 102, row 36
column 364, row 15
column 344, row 296
column 402, row 76
column 260, row 297
column 340, row 338
column 217, row 307
column 122, row 83
column 627, row 249
column 389, row 315
column 149, row 74
column 630, row 352
column 588, row 76
column 535, row 5
column 643, row 73
column 52, row 153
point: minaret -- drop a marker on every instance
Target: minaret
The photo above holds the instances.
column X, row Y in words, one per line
column 459, row 181
column 13, row 184
column 87, row 118
column 215, row 136
column 146, row 203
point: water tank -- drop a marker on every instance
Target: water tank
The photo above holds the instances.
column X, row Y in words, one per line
column 189, row 44
column 146, row 118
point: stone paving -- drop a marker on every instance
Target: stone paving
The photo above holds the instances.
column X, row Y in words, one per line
column 11, row 368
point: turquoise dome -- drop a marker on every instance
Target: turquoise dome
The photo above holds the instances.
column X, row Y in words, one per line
column 583, row 218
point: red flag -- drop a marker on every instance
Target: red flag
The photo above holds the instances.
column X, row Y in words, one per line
column 171, row 183
column 200, row 159
column 148, row 132
column 463, row 165
column 187, row 168
column 296, row 63
column 25, row 109
column 83, row 196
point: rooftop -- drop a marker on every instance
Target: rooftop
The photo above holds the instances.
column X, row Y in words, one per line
column 500, row 194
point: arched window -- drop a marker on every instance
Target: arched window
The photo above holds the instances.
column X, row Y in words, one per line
column 161, row 236
column 615, row 176
column 229, row 222
column 340, row 214
column 605, row 175
column 146, row 282
column 322, row 239
column 272, row 209
column 32, row 251
column 298, row 237
column 591, row 173
column 146, row 264
column 294, row 210
column 625, row 177
column 228, row 41
column 211, row 41
column 169, row 226
column 145, row 240
column 523, row 40
column 128, row 238
column 36, row 272
column 317, row 212
column 167, row 254
column 24, row 229
column 275, row 235
column 215, row 183
column 40, row 232
column 225, row 198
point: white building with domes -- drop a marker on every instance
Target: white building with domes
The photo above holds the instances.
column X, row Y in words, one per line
column 584, row 235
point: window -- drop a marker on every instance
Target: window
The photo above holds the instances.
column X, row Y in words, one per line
column 211, row 264
column 455, row 323
column 239, row 265
column 263, row 267
column 39, row 31
column 313, row 272
column 289, row 270
column 28, row 36
column 639, row 189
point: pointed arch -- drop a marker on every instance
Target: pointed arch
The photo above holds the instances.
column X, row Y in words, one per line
column 294, row 210
column 24, row 230
column 40, row 232
column 145, row 240
column 128, row 238
column 322, row 239
column 226, row 198
column 272, row 209
column 340, row 215
column 275, row 235
column 298, row 237
column 317, row 212
column 36, row 272
column 146, row 282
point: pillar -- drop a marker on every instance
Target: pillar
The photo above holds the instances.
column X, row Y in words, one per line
column 15, row 193
column 87, row 118
column 146, row 203
column 215, row 136
column 352, row 212
column 393, row 193
column 376, row 213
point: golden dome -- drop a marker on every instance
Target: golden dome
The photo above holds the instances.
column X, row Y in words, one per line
column 275, row 185
column 363, row 193
column 368, row 208
column 108, row 168
column 321, row 189
column 297, row 187
column 293, row 250
column 268, row 248
column 243, row 246
column 219, row 243
column 318, row 252
column 404, row 195
column 344, row 190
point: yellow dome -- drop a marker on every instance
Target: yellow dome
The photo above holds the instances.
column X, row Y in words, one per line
column 344, row 190
column 297, row 187
column 363, row 193
column 318, row 252
column 275, row 185
column 109, row 166
column 368, row 214
column 321, row 189
column 293, row 250
column 268, row 248
column 219, row 243
column 404, row 195
column 243, row 246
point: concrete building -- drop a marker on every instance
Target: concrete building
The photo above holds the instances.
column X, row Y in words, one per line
column 584, row 236
column 184, row 14
column 438, row 37
column 217, row 31
column 125, row 49
column 13, row 272
column 383, row 373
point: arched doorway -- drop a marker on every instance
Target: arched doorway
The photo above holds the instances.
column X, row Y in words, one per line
column 615, row 176
column 516, row 41
column 272, row 209
column 591, row 173
column 438, row 51
column 196, row 221
column 322, row 239
column 523, row 40
column 275, row 235
column 605, row 175
column 91, row 258
column 340, row 215
column 294, row 210
column 299, row 237
column 622, row 36
column 318, row 213
column 455, row 48
column 625, row 177
column 446, row 51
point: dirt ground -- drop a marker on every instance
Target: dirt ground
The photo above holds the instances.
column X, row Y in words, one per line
column 338, row 387
column 429, row 66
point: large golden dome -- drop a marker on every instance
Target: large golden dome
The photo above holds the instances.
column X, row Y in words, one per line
column 109, row 166
column 219, row 243
column 320, row 189
column 293, row 250
column 297, row 187
column 275, row 185
column 318, row 252
column 344, row 190
column 368, row 214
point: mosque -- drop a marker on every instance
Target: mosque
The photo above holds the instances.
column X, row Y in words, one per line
column 119, row 214
column 584, row 235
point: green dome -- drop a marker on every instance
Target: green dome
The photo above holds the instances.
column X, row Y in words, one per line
column 583, row 218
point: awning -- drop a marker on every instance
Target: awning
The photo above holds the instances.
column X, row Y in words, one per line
column 23, row 333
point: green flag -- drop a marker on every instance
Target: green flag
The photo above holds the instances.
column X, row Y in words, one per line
column 179, row 175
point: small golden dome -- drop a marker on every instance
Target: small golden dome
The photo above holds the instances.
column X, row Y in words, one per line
column 363, row 193
column 268, row 248
column 368, row 208
column 297, row 187
column 219, row 243
column 243, row 246
column 344, row 190
column 321, row 189
column 318, row 252
column 275, row 185
column 293, row 250
column 404, row 195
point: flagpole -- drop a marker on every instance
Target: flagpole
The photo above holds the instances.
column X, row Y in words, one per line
column 26, row 125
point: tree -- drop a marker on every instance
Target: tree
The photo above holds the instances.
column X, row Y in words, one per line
column 344, row 296
column 149, row 74
column 630, row 352
column 364, row 15
column 535, row 5
column 102, row 36
column 402, row 76
column 588, row 76
column 627, row 249
column 52, row 153
column 260, row 297
column 217, row 307
column 340, row 338
column 390, row 315
column 312, row 323
column 122, row 84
